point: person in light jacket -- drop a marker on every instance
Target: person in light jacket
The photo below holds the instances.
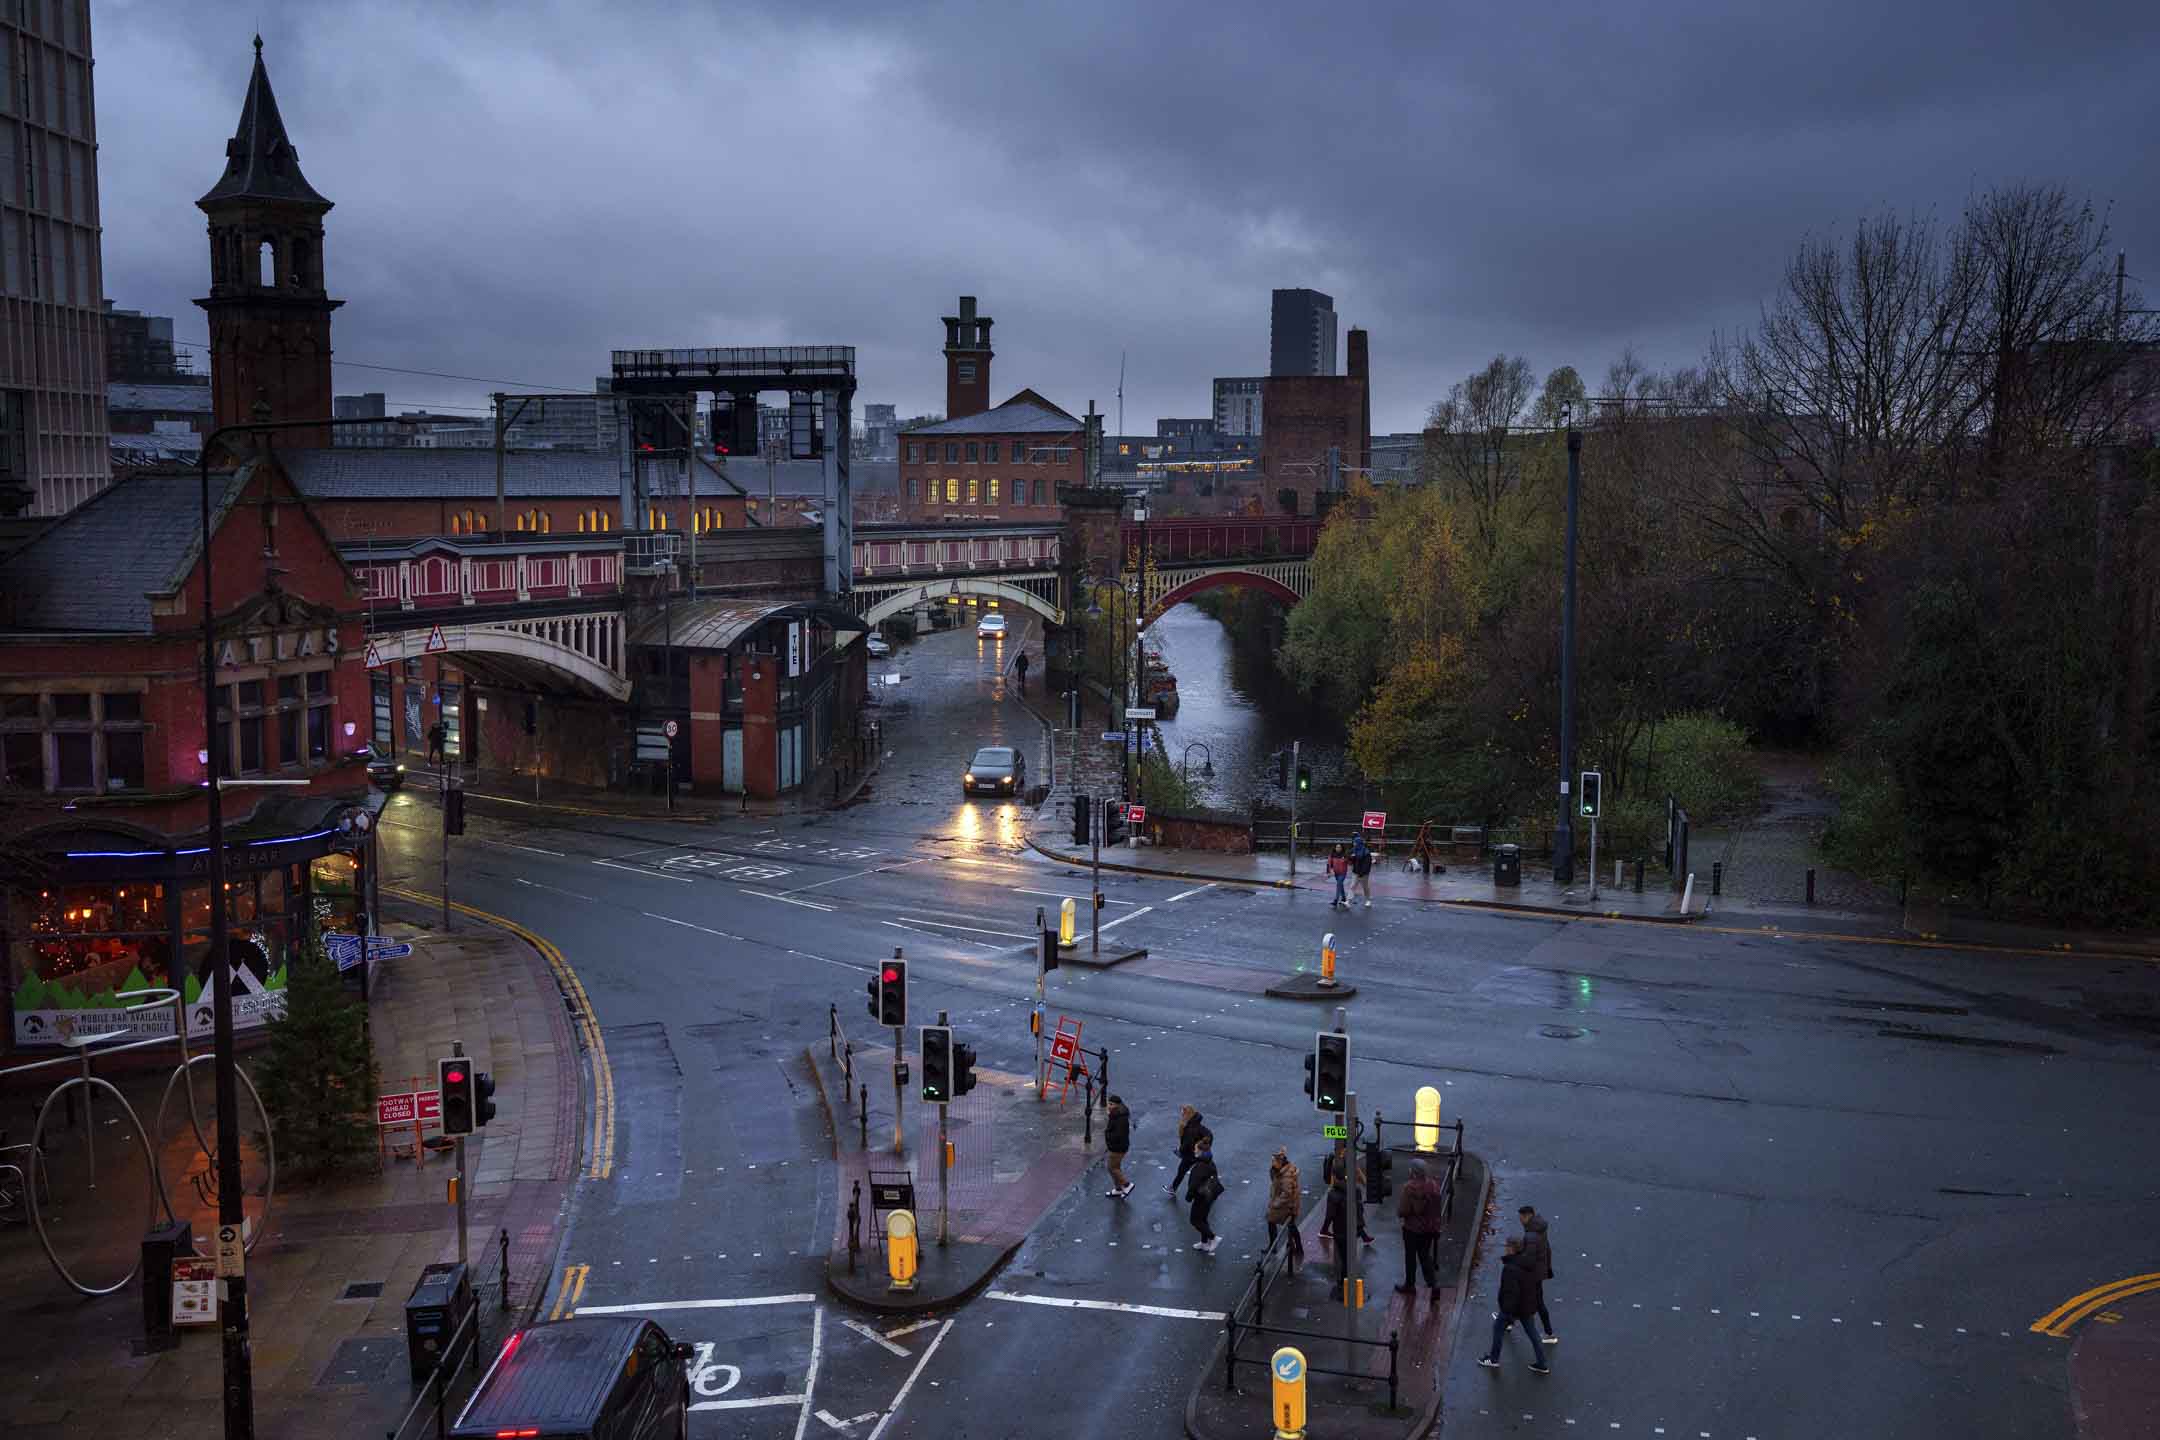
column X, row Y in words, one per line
column 1191, row 1128
column 1284, row 1197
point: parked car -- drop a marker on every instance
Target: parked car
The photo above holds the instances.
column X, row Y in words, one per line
column 990, row 627
column 995, row 770
column 877, row 647
column 383, row 772
column 618, row 1377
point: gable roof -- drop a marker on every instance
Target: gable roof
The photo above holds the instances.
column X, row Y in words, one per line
column 450, row 473
column 1026, row 413
column 260, row 160
column 96, row 568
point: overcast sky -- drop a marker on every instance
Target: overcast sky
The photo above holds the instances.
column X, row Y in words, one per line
column 522, row 187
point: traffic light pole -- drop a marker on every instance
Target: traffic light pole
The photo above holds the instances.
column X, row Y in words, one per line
column 442, row 798
column 1040, row 976
column 457, row 1047
column 1293, row 806
column 942, row 1152
column 1593, row 859
column 1095, row 829
column 899, row 1091
column 1348, row 1243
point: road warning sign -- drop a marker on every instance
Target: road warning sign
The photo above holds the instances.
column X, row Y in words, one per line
column 374, row 656
column 435, row 643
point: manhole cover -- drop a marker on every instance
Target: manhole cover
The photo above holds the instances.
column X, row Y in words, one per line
column 362, row 1290
column 1561, row 1032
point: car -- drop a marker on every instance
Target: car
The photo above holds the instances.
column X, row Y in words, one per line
column 383, row 772
column 995, row 770
column 990, row 627
column 878, row 647
column 616, row 1376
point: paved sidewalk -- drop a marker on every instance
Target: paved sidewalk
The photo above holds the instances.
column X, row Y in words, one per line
column 1014, row 1157
column 329, row 1279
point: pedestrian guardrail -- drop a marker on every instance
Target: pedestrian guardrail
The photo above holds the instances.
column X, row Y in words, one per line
column 1247, row 1321
column 1424, row 1142
column 471, row 1333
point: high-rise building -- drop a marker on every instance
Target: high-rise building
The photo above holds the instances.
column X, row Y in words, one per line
column 1301, row 333
column 1237, row 404
column 53, row 452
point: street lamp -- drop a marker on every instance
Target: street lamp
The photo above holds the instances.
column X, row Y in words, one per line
column 1564, row 833
column 1207, row 760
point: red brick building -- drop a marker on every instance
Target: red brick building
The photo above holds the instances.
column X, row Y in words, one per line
column 1000, row 466
column 1307, row 416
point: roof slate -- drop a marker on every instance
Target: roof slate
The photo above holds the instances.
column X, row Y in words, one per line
column 260, row 160
column 1025, row 414
column 96, row 568
column 123, row 396
column 414, row 473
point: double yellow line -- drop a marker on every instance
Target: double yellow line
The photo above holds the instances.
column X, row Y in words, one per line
column 602, row 1149
column 570, row 1291
column 2065, row 1317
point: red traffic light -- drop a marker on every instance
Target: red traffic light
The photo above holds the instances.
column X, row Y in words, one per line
column 892, row 975
column 455, row 1077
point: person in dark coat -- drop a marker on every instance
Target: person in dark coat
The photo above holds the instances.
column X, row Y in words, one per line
column 1021, row 665
column 1418, row 1208
column 1537, row 1241
column 1202, row 1191
column 1191, row 1129
column 1117, row 1139
column 1361, row 863
column 1332, row 1173
column 1519, row 1299
column 438, row 736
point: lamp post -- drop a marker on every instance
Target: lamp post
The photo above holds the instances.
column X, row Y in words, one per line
column 1207, row 760
column 239, row 1375
column 1564, row 832
column 1139, row 687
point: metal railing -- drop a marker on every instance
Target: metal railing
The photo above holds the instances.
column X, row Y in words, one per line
column 1450, row 1160
column 435, row 1390
column 1272, row 1265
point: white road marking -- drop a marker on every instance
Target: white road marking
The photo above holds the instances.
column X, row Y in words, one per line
column 555, row 889
column 650, row 915
column 1194, row 891
column 817, row 1351
column 529, row 849
column 1123, row 918
column 909, row 1329
column 649, row 874
column 917, row 930
column 836, row 880
column 759, row 1403
column 913, row 1375
column 787, row 899
column 876, row 1339
column 1078, row 899
column 970, row 929
column 736, row 1303
column 842, row 1425
column 1119, row 1306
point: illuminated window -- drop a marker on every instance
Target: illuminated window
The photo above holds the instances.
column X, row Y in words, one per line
column 547, row 523
column 519, row 522
column 972, row 488
column 479, row 521
column 455, row 523
column 952, row 491
column 581, row 522
column 990, row 490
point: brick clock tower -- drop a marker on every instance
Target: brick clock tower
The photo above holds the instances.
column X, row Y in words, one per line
column 269, row 314
column 967, row 361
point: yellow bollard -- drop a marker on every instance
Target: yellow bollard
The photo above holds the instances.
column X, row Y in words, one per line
column 1288, row 1369
column 1428, row 1118
column 1327, row 958
column 1068, row 926
column 900, row 1249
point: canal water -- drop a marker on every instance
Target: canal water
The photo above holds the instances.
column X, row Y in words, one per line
column 1235, row 706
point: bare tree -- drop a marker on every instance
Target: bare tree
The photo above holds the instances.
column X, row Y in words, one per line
column 1468, row 441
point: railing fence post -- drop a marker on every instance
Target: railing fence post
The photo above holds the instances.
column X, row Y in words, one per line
column 1391, row 1344
column 1229, row 1381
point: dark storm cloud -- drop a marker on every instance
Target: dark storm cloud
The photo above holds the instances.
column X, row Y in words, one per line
column 522, row 187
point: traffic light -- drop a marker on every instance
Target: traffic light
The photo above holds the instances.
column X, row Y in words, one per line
column 1113, row 820
column 1593, row 784
column 453, row 814
column 963, row 1069
column 1047, row 950
column 1377, row 1164
column 1080, row 819
column 483, row 1098
column 1331, row 1071
column 937, row 1064
column 1312, row 1062
column 1282, row 769
column 454, row 1078
column 888, row 993
column 1304, row 777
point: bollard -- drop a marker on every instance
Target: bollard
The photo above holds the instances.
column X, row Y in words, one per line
column 1617, row 882
column 502, row 1242
column 1811, row 885
column 832, row 1030
column 1287, row 1366
column 1428, row 1118
column 854, row 1227
column 1717, row 877
column 1068, row 924
column 900, row 1256
column 1640, row 862
column 847, row 1069
column 1687, row 896
column 862, row 1113
column 1327, row 958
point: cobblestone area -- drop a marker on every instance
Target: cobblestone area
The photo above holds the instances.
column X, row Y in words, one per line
column 1766, row 863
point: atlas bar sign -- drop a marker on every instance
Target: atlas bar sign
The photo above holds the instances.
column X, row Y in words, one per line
column 264, row 648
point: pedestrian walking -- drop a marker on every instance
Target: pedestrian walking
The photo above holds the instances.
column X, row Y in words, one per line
column 1519, row 1300
column 1537, row 1240
column 1117, row 1139
column 1284, row 1197
column 1334, row 1173
column 438, row 735
column 1338, row 865
column 1361, row 863
column 1020, row 665
column 1191, row 1131
column 1202, row 1190
column 1418, row 1208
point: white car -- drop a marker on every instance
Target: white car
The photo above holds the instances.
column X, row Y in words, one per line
column 877, row 647
column 990, row 627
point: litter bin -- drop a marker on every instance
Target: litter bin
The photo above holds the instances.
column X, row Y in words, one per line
column 440, row 1301
column 160, row 1244
column 1507, row 865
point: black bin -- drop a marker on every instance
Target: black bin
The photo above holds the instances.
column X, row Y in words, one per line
column 1507, row 865
column 440, row 1301
column 161, row 1244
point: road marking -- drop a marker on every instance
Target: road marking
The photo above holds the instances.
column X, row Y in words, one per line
column 602, row 1153
column 817, row 1351
column 1113, row 924
column 528, row 849
column 759, row 1403
column 787, row 899
column 1078, row 899
column 876, row 1339
column 932, row 934
column 1194, row 891
column 573, row 1287
column 970, row 929
column 909, row 1329
column 555, row 889
column 733, row 1303
column 913, row 1375
column 842, row 1425
column 649, row 874
column 650, row 915
column 2059, row 1321
column 821, row 884
column 1119, row 1306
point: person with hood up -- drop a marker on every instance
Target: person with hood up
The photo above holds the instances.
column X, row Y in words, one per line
column 1361, row 863
column 1284, row 1197
column 1537, row 1240
column 1519, row 1300
column 1338, row 866
column 1191, row 1130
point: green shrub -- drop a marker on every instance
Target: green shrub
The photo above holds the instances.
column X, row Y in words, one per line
column 1868, row 830
column 900, row 629
column 1702, row 759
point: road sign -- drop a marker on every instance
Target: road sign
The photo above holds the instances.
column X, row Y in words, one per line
column 1136, row 814
column 231, row 1253
column 1115, row 737
column 393, row 1110
column 435, row 642
column 1139, row 712
column 671, row 729
column 374, row 656
column 344, row 949
column 1375, row 820
column 381, row 947
column 1334, row 1132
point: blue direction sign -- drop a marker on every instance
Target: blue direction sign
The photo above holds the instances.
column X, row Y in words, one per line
column 1289, row 1366
column 344, row 949
column 382, row 948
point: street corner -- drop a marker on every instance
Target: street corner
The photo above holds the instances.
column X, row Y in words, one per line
column 1304, row 985
column 1375, row 1369
column 914, row 1278
column 2113, row 1358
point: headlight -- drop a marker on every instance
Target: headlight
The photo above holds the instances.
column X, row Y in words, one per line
column 401, row 768
column 968, row 778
